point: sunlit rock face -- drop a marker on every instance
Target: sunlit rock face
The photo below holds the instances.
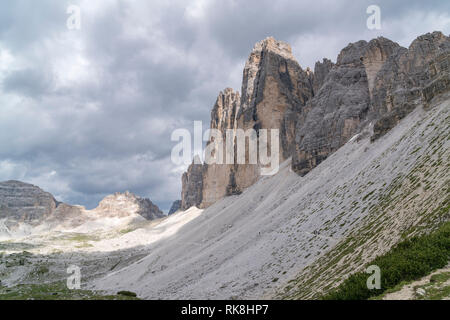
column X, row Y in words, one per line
column 216, row 176
column 125, row 204
column 274, row 88
column 24, row 206
column 372, row 85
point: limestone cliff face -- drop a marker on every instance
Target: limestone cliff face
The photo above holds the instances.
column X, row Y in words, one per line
column 409, row 77
column 192, row 186
column 373, row 83
column 23, row 202
column 377, row 81
column 176, row 205
column 335, row 114
column 321, row 70
column 216, row 177
column 275, row 88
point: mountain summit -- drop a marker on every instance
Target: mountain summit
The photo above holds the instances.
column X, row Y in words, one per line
column 24, row 206
column 372, row 85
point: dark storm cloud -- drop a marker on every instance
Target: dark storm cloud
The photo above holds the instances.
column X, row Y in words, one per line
column 27, row 82
column 88, row 112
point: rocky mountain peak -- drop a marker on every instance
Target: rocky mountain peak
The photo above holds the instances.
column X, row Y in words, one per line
column 176, row 205
column 126, row 203
column 268, row 57
column 192, row 186
column 429, row 39
column 280, row 48
column 375, row 81
column 223, row 114
column 321, row 70
column 24, row 205
column 25, row 202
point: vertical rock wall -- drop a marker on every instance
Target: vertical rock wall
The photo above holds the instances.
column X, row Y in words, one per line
column 375, row 82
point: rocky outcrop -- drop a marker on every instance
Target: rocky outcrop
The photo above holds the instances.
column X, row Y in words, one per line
column 335, row 114
column 372, row 83
column 23, row 202
column 274, row 88
column 217, row 174
column 377, row 82
column 192, row 186
column 176, row 205
column 410, row 77
column 125, row 204
column 321, row 70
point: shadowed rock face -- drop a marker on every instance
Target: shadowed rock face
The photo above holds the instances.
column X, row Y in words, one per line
column 23, row 202
column 373, row 84
column 192, row 186
column 176, row 205
column 378, row 82
column 335, row 114
column 410, row 77
column 216, row 178
column 321, row 70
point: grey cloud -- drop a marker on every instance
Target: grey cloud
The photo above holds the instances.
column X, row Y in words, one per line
column 149, row 67
column 27, row 82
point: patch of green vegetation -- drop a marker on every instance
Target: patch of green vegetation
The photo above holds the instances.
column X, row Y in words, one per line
column 81, row 237
column 16, row 246
column 437, row 293
column 42, row 270
column 127, row 230
column 436, row 289
column 368, row 195
column 409, row 260
column 84, row 245
column 440, row 277
column 55, row 291
column 127, row 293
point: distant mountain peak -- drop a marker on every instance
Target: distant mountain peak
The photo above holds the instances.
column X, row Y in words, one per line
column 122, row 204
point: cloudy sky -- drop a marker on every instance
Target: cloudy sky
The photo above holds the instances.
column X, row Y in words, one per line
column 87, row 112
